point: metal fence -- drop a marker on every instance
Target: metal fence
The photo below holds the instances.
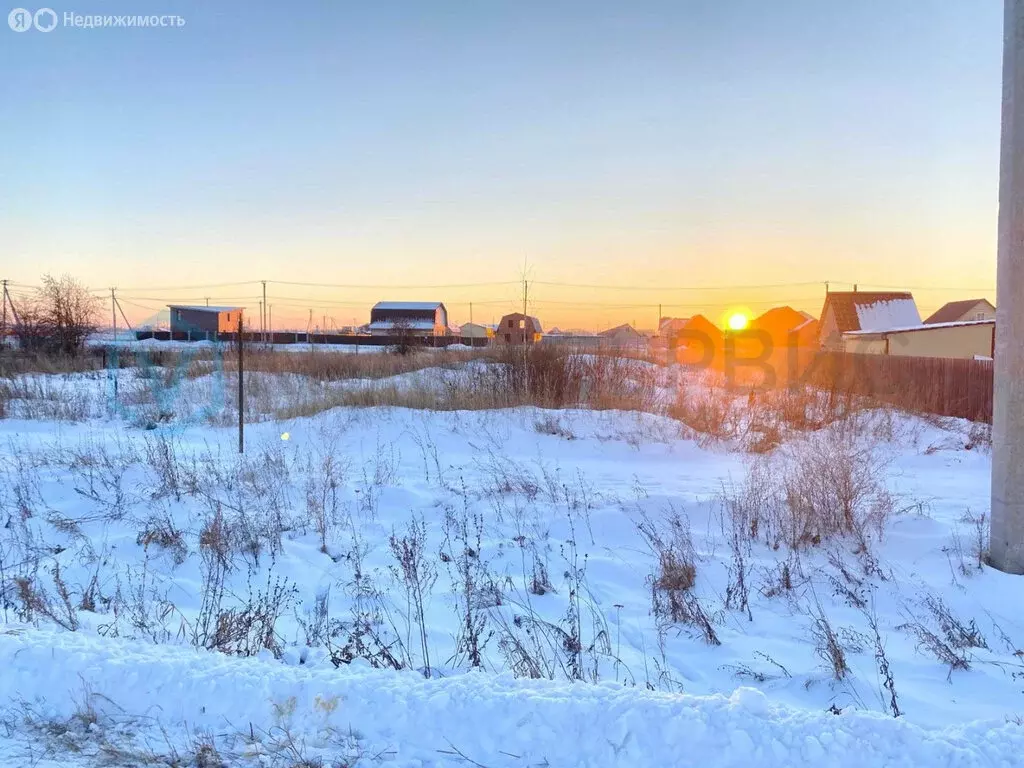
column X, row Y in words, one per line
column 286, row 337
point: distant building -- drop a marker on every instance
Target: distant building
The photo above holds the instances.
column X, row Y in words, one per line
column 205, row 320
column 623, row 337
column 787, row 327
column 848, row 311
column 699, row 341
column 669, row 327
column 970, row 310
column 476, row 331
column 518, row 328
column 418, row 318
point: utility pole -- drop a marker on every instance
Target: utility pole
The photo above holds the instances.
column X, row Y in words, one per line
column 207, row 301
column 241, row 392
column 270, row 322
column 3, row 322
column 113, row 313
column 264, row 306
column 8, row 300
column 1006, row 544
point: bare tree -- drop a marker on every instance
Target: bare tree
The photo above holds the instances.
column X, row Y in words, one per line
column 59, row 317
column 405, row 339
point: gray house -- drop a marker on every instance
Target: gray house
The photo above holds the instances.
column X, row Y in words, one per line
column 417, row 318
column 204, row 320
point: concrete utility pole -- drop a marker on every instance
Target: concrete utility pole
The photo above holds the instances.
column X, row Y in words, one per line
column 1006, row 545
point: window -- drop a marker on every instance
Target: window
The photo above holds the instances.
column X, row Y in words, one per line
column 522, row 323
column 508, row 338
column 979, row 316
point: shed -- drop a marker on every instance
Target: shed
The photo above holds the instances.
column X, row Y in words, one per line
column 202, row 319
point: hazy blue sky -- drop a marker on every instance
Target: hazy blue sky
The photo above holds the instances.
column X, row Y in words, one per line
column 695, row 142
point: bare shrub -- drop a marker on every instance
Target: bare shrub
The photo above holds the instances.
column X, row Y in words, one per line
column 885, row 674
column 363, row 635
column 940, row 648
column 779, row 581
column 847, row 585
column 417, row 576
column 833, row 488
column 161, row 532
column 760, row 675
column 37, row 602
column 827, row 644
column 671, row 543
column 472, row 583
column 322, row 486
column 550, row 424
column 249, row 628
column 957, row 633
column 708, row 412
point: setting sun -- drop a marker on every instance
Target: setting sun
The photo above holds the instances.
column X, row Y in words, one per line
column 738, row 321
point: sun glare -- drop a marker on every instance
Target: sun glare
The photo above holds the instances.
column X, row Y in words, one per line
column 738, row 321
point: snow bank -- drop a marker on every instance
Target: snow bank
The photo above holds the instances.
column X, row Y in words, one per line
column 495, row 721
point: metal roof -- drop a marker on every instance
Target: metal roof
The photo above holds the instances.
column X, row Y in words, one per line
column 948, row 313
column 413, row 305
column 204, row 308
column 922, row 327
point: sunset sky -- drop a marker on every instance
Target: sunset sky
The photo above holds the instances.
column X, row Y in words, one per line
column 698, row 154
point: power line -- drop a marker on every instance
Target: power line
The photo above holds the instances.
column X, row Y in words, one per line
column 678, row 288
column 391, row 286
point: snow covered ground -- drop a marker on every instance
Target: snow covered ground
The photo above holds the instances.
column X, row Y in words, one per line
column 163, row 593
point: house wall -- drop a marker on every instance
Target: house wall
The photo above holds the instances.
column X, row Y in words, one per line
column 861, row 345
column 516, row 328
column 475, row 331
column 227, row 322
column 980, row 311
column 963, row 342
column 828, row 332
column 185, row 320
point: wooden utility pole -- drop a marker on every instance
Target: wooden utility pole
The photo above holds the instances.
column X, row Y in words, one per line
column 3, row 322
column 1006, row 543
column 270, row 322
column 241, row 391
column 113, row 313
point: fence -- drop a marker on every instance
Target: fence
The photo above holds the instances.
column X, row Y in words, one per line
column 282, row 337
column 941, row 386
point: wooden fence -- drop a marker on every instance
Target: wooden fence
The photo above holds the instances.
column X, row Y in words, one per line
column 935, row 385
